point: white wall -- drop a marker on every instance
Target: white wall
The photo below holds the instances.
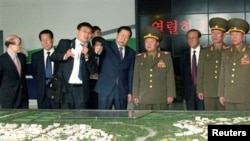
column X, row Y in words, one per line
column 27, row 18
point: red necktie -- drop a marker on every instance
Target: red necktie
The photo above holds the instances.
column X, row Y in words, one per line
column 194, row 68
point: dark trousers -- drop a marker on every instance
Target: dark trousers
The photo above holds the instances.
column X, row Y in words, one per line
column 193, row 102
column 49, row 103
column 113, row 99
column 74, row 98
column 93, row 96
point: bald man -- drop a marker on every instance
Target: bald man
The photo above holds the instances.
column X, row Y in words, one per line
column 13, row 87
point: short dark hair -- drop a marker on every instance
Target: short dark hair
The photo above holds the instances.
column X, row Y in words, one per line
column 96, row 28
column 97, row 39
column 84, row 24
column 46, row 31
column 194, row 30
column 125, row 28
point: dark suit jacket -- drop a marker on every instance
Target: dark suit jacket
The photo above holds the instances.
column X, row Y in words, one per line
column 185, row 73
column 39, row 74
column 13, row 88
column 67, row 65
column 112, row 66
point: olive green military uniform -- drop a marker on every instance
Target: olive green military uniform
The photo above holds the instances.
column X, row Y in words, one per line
column 208, row 76
column 234, row 83
column 154, row 78
column 209, row 68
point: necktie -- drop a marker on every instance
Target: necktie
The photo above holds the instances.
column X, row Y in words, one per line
column 194, row 68
column 81, row 63
column 120, row 51
column 48, row 68
column 17, row 65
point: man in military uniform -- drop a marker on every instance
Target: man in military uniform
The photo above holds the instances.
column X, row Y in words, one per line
column 153, row 83
column 234, row 90
column 209, row 65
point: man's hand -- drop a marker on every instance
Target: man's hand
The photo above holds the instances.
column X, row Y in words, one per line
column 68, row 54
column 201, row 96
column 136, row 101
column 85, row 51
column 222, row 101
column 129, row 97
column 170, row 100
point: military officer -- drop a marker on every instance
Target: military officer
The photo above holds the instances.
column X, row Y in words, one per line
column 209, row 65
column 234, row 89
column 153, row 83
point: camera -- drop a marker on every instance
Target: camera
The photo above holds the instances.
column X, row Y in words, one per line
column 52, row 83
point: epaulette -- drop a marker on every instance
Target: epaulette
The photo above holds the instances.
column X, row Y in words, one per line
column 139, row 54
column 166, row 52
column 226, row 47
column 206, row 46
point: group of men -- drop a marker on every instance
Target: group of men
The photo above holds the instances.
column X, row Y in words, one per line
column 91, row 73
column 215, row 77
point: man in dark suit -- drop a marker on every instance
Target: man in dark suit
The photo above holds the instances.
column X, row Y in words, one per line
column 77, row 62
column 114, row 85
column 188, row 70
column 13, row 87
column 40, row 75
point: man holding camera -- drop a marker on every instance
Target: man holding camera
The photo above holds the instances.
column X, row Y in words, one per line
column 43, row 70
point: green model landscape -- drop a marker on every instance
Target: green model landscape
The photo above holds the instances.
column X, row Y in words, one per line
column 160, row 124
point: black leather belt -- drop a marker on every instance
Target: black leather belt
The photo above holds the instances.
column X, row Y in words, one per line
column 74, row 85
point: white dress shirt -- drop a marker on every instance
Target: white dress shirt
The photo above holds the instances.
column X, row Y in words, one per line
column 74, row 79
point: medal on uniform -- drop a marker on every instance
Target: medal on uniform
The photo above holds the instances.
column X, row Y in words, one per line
column 245, row 59
column 161, row 64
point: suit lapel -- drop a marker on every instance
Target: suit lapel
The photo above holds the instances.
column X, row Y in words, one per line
column 188, row 61
column 116, row 50
column 42, row 61
column 9, row 59
column 70, row 60
column 13, row 64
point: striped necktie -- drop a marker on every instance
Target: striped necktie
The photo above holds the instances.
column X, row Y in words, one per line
column 120, row 51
